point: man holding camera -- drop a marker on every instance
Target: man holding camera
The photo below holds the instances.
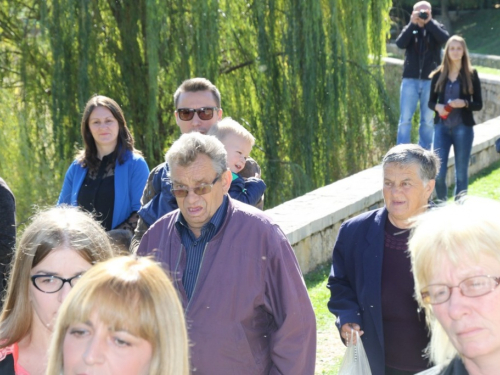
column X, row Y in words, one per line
column 422, row 38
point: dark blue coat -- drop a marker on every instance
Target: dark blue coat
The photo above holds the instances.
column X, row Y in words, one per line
column 355, row 281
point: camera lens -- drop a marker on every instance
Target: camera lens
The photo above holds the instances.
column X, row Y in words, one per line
column 423, row 15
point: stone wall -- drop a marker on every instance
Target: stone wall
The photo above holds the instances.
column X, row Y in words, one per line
column 490, row 61
column 311, row 222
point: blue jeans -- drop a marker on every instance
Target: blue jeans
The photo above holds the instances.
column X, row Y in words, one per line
column 461, row 137
column 413, row 90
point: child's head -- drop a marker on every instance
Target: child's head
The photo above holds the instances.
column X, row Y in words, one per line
column 237, row 141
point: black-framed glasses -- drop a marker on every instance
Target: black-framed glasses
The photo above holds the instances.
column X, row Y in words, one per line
column 51, row 283
column 475, row 286
column 204, row 113
column 199, row 190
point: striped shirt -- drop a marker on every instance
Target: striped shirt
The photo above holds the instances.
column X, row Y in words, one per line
column 195, row 247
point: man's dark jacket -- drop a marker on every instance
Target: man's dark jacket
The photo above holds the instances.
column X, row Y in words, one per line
column 421, row 60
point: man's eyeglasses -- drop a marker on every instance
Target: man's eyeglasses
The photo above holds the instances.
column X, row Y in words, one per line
column 204, row 113
column 471, row 287
column 199, row 190
column 51, row 283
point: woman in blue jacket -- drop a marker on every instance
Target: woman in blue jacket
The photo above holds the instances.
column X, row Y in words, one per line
column 108, row 176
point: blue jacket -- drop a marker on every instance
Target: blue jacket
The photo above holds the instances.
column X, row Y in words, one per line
column 355, row 281
column 248, row 191
column 130, row 178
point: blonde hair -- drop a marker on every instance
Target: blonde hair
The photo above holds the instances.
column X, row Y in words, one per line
column 227, row 126
column 60, row 226
column 132, row 294
column 464, row 230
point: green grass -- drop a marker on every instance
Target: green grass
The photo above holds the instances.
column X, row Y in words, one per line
column 486, row 70
column 319, row 294
column 486, row 183
column 327, row 362
column 480, row 29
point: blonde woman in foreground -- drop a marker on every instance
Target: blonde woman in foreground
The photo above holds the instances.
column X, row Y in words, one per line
column 54, row 251
column 123, row 318
column 455, row 254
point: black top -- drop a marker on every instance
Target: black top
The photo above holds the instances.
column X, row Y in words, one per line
column 405, row 333
column 475, row 100
column 456, row 367
column 7, row 230
column 97, row 194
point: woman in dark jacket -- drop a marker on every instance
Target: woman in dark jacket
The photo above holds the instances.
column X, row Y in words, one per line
column 455, row 93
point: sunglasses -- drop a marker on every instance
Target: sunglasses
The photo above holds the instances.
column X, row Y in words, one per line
column 204, row 113
column 198, row 190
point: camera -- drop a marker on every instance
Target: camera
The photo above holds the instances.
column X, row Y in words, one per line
column 423, row 15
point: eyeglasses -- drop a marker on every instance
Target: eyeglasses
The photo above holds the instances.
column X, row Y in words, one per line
column 204, row 113
column 198, row 190
column 471, row 287
column 51, row 283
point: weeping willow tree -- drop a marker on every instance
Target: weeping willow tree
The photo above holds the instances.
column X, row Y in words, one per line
column 303, row 76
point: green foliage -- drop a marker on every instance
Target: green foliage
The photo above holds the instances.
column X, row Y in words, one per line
column 486, row 183
column 304, row 77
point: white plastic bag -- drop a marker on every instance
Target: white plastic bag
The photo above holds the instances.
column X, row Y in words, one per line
column 355, row 361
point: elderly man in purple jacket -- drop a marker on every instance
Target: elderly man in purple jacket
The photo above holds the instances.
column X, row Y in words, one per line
column 245, row 301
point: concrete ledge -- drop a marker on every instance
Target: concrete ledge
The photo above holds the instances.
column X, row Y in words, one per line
column 490, row 61
column 311, row 222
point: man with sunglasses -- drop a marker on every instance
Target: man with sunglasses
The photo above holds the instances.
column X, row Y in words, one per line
column 245, row 301
column 198, row 108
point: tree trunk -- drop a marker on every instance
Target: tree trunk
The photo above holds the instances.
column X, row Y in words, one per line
column 445, row 16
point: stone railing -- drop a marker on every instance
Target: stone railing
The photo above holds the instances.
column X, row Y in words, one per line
column 490, row 89
column 490, row 61
column 311, row 222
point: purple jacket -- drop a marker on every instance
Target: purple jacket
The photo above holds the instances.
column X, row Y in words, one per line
column 250, row 312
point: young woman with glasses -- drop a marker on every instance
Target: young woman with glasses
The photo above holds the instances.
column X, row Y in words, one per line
column 456, row 265
column 54, row 251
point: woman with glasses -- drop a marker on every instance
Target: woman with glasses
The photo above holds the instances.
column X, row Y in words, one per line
column 54, row 251
column 455, row 254
column 124, row 317
column 109, row 174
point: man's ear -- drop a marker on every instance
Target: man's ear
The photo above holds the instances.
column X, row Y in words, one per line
column 219, row 114
column 430, row 188
column 226, row 179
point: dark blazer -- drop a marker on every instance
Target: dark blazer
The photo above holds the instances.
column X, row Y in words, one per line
column 475, row 100
column 355, row 281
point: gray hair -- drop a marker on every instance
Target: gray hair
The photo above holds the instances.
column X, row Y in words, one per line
column 186, row 149
column 408, row 154
column 419, row 3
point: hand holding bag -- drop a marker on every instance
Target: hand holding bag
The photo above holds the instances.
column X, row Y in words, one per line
column 355, row 361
